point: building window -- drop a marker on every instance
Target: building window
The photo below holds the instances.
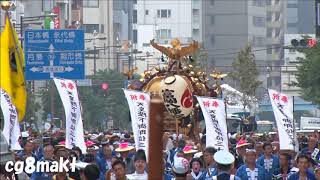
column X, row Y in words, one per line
column 212, row 19
column 102, row 28
column 196, row 33
column 292, row 15
column 259, row 21
column 146, row 12
column 269, row 32
column 134, row 1
column 212, row 39
column 212, row 2
column 268, row 2
column 163, row 13
column 258, row 41
column 269, row 16
column 163, row 34
column 90, row 3
column 135, row 17
column 258, row 3
column 90, row 28
column 269, row 49
column 135, row 36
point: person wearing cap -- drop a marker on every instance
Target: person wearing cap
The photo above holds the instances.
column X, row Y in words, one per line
column 303, row 163
column 63, row 153
column 140, row 163
column 210, row 164
column 196, row 165
column 123, row 150
column 241, row 147
column 269, row 161
column 93, row 150
column 251, row 171
column 180, row 168
column 188, row 152
column 224, row 160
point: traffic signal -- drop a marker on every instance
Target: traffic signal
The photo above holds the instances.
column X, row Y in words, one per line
column 303, row 43
column 104, row 86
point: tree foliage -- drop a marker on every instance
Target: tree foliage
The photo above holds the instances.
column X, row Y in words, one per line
column 246, row 74
column 308, row 76
column 97, row 105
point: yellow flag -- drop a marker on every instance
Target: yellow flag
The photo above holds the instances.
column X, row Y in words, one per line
column 11, row 68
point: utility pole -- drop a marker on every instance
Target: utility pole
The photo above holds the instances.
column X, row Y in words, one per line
column 94, row 60
column 51, row 91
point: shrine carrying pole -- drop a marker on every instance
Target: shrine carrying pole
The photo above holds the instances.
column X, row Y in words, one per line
column 155, row 167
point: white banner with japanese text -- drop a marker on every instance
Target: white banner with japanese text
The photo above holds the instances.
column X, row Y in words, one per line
column 282, row 106
column 11, row 128
column 139, row 104
column 214, row 114
column 70, row 99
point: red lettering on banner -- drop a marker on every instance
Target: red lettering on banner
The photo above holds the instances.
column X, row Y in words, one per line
column 215, row 104
column 284, row 99
column 63, row 85
column 275, row 96
column 206, row 103
column 70, row 86
column 142, row 97
column 134, row 97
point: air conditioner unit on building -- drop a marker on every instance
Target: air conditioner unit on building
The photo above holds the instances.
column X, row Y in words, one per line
column 62, row 1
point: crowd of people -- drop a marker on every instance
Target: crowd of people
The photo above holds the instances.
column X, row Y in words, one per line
column 111, row 156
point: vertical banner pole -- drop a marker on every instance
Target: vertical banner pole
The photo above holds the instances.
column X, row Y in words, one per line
column 155, row 137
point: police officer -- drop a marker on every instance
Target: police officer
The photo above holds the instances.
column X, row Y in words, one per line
column 224, row 161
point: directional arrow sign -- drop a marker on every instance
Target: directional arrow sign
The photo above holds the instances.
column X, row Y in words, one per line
column 54, row 53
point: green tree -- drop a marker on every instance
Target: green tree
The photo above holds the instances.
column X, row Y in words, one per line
column 308, row 76
column 246, row 73
column 200, row 59
column 114, row 104
column 97, row 105
column 50, row 97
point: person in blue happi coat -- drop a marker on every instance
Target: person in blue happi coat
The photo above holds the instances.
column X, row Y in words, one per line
column 48, row 157
column 196, row 165
column 269, row 161
column 209, row 162
column 104, row 161
column 303, row 163
column 224, row 161
column 250, row 170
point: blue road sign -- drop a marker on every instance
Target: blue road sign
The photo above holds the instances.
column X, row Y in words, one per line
column 54, row 53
